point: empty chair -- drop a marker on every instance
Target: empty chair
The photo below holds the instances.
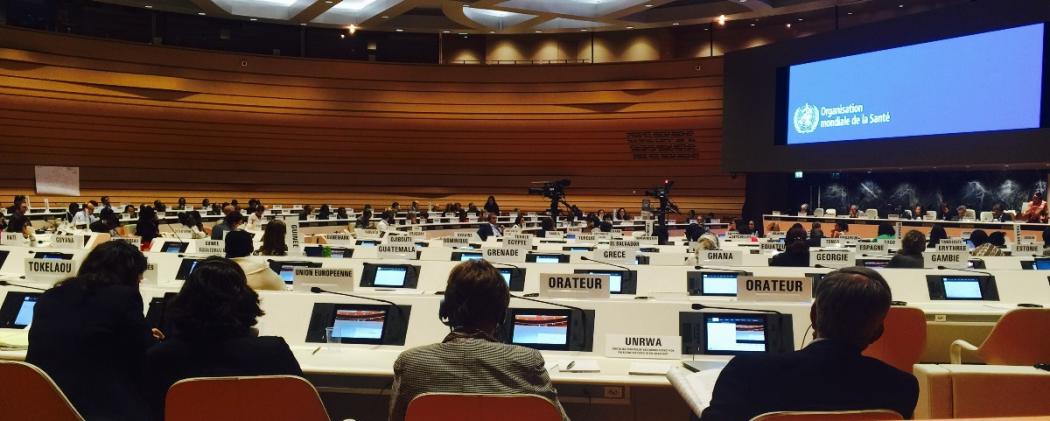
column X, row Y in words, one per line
column 818, row 212
column 30, row 394
column 868, row 415
column 985, row 216
column 1019, row 338
column 830, row 212
column 478, row 407
column 270, row 398
column 904, row 339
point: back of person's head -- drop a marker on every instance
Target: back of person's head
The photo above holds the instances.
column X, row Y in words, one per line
column 850, row 305
column 74, row 208
column 273, row 238
column 1046, row 237
column 547, row 224
column 997, row 239
column 937, row 233
column 693, row 231
column 886, row 229
column 795, row 240
column 605, row 226
column 110, row 217
column 185, row 219
column 214, row 303
column 707, row 243
column 110, row 263
column 238, row 244
column 233, row 218
column 913, row 243
column 227, row 209
column 978, row 237
column 476, row 297
column 841, row 226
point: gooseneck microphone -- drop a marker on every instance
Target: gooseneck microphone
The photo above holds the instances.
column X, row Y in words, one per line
column 319, row 290
column 5, row 283
column 505, row 264
column 605, row 263
column 964, row 270
column 698, row 306
column 727, row 270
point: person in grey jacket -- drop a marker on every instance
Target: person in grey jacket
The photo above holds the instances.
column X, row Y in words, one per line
column 470, row 359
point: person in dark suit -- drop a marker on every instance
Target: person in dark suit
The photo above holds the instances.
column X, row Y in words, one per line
column 910, row 254
column 212, row 334
column 470, row 359
column 796, row 253
column 830, row 374
column 490, row 229
column 89, row 334
column 491, row 206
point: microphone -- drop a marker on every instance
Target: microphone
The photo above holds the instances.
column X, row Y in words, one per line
column 742, row 272
column 319, row 290
column 5, row 283
column 698, row 306
column 964, row 270
column 605, row 263
column 820, row 266
column 583, row 314
column 506, row 264
column 173, row 231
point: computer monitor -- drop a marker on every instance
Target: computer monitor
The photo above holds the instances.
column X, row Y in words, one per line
column 389, row 276
column 174, row 247
column 976, row 287
column 1040, row 263
column 547, row 258
column 732, row 334
column 515, row 278
column 620, row 281
column 541, row 328
column 359, row 324
column 459, row 256
column 16, row 312
column 50, row 255
column 712, row 284
column 368, row 243
column 873, row 263
column 156, row 313
column 186, row 268
column 337, row 252
column 578, row 249
column 286, row 269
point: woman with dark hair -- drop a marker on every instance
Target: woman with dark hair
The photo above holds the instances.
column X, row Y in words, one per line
column 886, row 232
column 131, row 211
column 89, row 334
column 273, row 239
column 491, row 206
column 471, row 359
column 918, row 212
column 387, row 223
column 212, row 320
column 816, row 233
column 937, row 233
column 340, row 213
column 910, row 254
column 71, row 212
column 841, row 227
column 108, row 223
column 796, row 253
column 147, row 226
column 365, row 220
column 983, row 245
column 256, row 217
column 622, row 215
column 519, row 222
column 187, row 220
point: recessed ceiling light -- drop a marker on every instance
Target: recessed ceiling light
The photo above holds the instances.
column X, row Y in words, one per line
column 200, row 13
column 492, row 32
column 849, row 13
column 649, row 5
column 539, row 31
column 630, row 27
column 900, row 5
column 386, row 17
column 399, row 30
column 752, row 25
column 788, row 26
column 462, row 33
column 148, row 6
column 675, row 24
column 446, row 32
column 342, row 36
column 253, row 19
column 800, row 19
column 721, row 19
column 583, row 30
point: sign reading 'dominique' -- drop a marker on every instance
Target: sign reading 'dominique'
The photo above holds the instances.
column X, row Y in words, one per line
column 561, row 285
column 643, row 346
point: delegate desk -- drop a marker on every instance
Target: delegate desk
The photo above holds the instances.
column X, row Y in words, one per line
column 868, row 228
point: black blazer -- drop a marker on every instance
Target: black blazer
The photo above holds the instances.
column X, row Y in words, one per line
column 91, row 342
column 176, row 359
column 907, row 261
column 790, row 259
column 485, row 231
column 824, row 376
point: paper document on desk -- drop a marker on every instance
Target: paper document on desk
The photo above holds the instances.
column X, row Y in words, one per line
column 695, row 388
column 14, row 339
column 649, row 369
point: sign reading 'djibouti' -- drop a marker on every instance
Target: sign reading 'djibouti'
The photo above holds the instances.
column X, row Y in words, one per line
column 562, row 285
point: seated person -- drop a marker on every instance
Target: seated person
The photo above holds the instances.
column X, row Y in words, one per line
column 17, row 221
column 998, row 239
column 803, row 210
column 108, row 223
column 960, row 212
column 364, row 221
column 546, row 224
column 998, row 215
column 89, row 334
column 982, row 245
column 490, row 229
column 854, row 211
column 816, row 233
column 239, row 246
column 829, row 374
column 840, row 228
column 255, row 218
column 273, row 239
column 1035, row 211
column 218, row 229
column 693, row 232
column 910, row 254
column 796, row 252
column 212, row 334
column 387, row 223
column 470, row 359
column 86, row 216
column 937, row 233
column 886, row 232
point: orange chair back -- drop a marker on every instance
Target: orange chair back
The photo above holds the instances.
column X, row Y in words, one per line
column 30, row 394
column 464, row 407
column 904, row 339
column 1019, row 338
column 263, row 398
column 868, row 415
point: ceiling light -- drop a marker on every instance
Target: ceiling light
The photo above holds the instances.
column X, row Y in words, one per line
column 253, row 19
column 539, row 31
column 462, row 33
column 630, row 27
column 649, row 5
column 302, row 24
column 492, row 32
column 900, row 5
column 674, row 24
column 353, row 4
column 788, row 26
column 342, row 36
column 721, row 19
column 849, row 13
column 386, row 17
column 583, row 30
column 149, row 6
column 752, row 25
column 200, row 13
column 399, row 30
column 446, row 32
column 800, row 19
column 352, row 28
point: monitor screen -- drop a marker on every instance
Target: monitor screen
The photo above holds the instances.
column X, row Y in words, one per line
column 1041, row 264
column 962, row 288
column 718, row 283
column 463, row 257
column 390, row 276
column 186, row 268
column 24, row 317
column 368, row 243
column 358, row 324
column 734, row 333
column 547, row 259
column 288, row 274
column 52, row 256
column 540, row 329
column 173, row 247
column 875, row 263
column 615, row 279
column 579, row 249
column 506, row 274
column 989, row 88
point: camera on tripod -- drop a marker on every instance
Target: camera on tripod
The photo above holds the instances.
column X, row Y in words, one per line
column 662, row 192
column 551, row 189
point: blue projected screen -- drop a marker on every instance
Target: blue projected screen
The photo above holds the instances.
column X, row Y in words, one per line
column 984, row 82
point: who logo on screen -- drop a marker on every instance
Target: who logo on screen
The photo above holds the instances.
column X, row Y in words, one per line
column 807, row 117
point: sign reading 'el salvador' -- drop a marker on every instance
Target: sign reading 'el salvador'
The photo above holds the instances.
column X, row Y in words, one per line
column 561, row 285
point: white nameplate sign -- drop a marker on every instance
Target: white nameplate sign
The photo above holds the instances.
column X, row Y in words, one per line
column 832, row 258
column 603, row 236
column 467, row 235
column 338, row 279
column 877, row 249
column 952, row 241
column 738, row 237
column 647, row 239
column 949, row 259
column 850, row 237
column 150, row 275
column 554, row 235
column 1028, row 239
column 643, row 347
column 13, row 239
column 889, row 242
column 721, row 257
column 772, row 246
column 518, row 243
column 400, row 239
column 563, row 285
column 293, row 237
column 776, row 234
column 1027, row 249
column 952, row 247
column 417, row 235
column 589, row 238
column 368, row 233
column 339, row 239
column 453, row 242
column 505, row 254
column 211, row 246
column 135, row 241
column 397, row 251
column 830, row 242
column 72, row 241
column 522, row 237
column 574, row 230
column 618, row 255
column 625, row 244
column 774, row 288
column 183, row 232
column 49, row 269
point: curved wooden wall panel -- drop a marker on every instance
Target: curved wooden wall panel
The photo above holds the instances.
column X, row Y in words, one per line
column 148, row 122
